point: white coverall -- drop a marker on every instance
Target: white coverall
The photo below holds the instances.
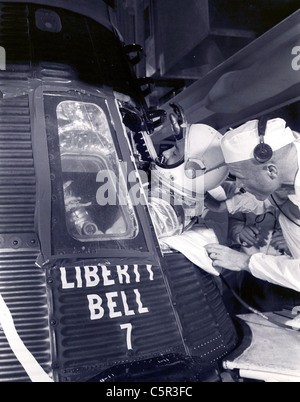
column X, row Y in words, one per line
column 280, row 270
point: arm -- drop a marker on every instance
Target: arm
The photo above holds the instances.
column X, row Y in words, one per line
column 240, row 232
column 243, row 203
column 280, row 270
column 246, row 203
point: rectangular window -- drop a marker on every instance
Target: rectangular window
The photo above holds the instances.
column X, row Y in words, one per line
column 96, row 201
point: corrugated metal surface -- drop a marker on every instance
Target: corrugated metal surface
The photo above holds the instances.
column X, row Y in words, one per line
column 186, row 315
column 17, row 175
column 207, row 326
column 85, row 347
column 22, row 286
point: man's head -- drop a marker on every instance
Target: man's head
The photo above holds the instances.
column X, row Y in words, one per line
column 260, row 179
column 195, row 164
column 174, row 155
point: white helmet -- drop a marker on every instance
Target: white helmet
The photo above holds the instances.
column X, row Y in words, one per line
column 202, row 169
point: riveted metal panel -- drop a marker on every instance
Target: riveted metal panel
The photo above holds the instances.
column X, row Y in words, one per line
column 208, row 330
column 17, row 175
column 106, row 315
column 22, row 286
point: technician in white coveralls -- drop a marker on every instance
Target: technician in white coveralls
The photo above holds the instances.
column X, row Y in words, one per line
column 265, row 159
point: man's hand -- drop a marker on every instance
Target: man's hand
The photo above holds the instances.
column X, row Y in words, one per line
column 243, row 234
column 279, row 243
column 225, row 257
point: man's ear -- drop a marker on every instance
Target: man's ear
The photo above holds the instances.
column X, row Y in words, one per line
column 272, row 171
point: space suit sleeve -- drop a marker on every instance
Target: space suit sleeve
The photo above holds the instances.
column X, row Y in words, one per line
column 246, row 203
column 280, row 270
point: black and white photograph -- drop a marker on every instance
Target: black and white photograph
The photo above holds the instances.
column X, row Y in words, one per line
column 149, row 194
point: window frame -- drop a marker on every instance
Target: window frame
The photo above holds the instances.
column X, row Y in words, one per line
column 145, row 245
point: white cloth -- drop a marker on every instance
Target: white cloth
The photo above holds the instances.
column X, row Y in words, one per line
column 238, row 144
column 191, row 244
column 35, row 372
column 283, row 270
column 246, row 203
column 218, row 193
column 280, row 270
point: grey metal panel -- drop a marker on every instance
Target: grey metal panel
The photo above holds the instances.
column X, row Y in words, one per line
column 17, row 175
column 186, row 316
column 84, row 347
column 208, row 329
column 22, row 286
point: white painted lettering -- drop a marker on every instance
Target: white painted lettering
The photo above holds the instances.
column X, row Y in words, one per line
column 91, row 276
column 122, row 272
column 141, row 309
column 106, row 273
column 78, row 277
column 95, row 307
column 137, row 274
column 128, row 328
column 64, row 282
column 112, row 305
column 149, row 269
column 125, row 304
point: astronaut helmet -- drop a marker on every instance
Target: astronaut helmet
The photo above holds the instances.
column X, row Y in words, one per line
column 201, row 168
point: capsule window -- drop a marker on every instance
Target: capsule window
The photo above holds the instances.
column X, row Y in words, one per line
column 96, row 202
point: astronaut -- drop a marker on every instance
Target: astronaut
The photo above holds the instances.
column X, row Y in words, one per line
column 182, row 175
column 265, row 161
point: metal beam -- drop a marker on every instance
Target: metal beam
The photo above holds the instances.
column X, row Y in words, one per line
column 257, row 79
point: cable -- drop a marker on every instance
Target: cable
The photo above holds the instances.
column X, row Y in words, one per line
column 257, row 312
column 290, row 219
column 262, row 217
